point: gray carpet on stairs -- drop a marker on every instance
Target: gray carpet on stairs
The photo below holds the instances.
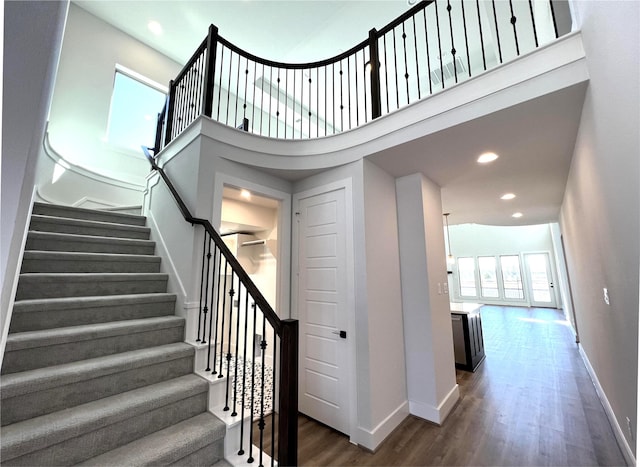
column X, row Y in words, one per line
column 95, row 369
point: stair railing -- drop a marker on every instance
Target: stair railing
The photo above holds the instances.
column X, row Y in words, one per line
column 434, row 45
column 241, row 331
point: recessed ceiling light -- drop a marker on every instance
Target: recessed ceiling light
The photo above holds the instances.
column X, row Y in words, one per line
column 155, row 27
column 246, row 194
column 487, row 157
column 508, row 196
column 516, row 214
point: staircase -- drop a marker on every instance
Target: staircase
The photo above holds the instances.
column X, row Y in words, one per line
column 95, row 369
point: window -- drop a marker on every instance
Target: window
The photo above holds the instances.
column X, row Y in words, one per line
column 134, row 109
column 488, row 276
column 467, row 275
column 511, row 277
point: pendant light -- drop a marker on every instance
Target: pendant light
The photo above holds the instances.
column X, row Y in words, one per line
column 450, row 259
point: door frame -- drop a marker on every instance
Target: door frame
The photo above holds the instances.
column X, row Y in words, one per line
column 552, row 272
column 346, row 185
column 283, row 265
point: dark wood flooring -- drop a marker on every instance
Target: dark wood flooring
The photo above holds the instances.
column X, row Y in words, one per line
column 531, row 402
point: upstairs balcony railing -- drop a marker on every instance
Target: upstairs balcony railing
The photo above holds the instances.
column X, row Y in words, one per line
column 434, row 45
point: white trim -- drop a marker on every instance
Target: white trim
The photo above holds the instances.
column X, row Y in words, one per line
column 347, row 185
column 143, row 79
column 164, row 254
column 617, row 429
column 16, row 276
column 59, row 159
column 372, row 439
column 437, row 414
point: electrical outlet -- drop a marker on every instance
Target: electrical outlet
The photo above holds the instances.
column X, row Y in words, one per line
column 439, row 288
column 605, row 293
column 445, row 286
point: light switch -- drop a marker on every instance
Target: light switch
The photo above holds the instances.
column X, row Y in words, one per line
column 605, row 293
column 445, row 286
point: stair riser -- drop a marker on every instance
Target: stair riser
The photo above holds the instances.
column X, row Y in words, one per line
column 39, row 403
column 40, row 357
column 34, row 287
column 73, row 213
column 41, row 225
column 36, row 321
column 206, row 456
column 88, row 247
column 94, row 443
column 89, row 266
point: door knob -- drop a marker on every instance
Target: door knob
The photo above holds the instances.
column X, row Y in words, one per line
column 342, row 334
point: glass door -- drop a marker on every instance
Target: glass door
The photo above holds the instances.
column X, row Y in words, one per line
column 539, row 280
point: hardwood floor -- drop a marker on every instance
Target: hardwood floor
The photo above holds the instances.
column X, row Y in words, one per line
column 531, row 402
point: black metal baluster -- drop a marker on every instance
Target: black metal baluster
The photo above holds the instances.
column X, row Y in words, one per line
column 246, row 85
column 244, row 373
column 484, row 59
column 286, row 100
column 226, row 396
column 235, row 374
column 395, row 66
column 204, row 248
column 206, row 295
column 453, row 47
column 278, row 107
column 220, row 83
column 215, row 334
column 224, row 303
column 515, row 32
column 326, row 92
column 426, row 43
column 309, row 107
column 301, row 101
column 386, row 74
column 495, row 19
column 349, row 91
column 406, row 65
column 261, row 98
column 229, row 87
column 439, row 45
column 253, row 101
column 533, row 24
column 318, row 102
column 415, row 45
column 341, row 102
column 270, row 99
column 364, row 80
column 263, row 347
column 211, row 310
column 466, row 38
column 253, row 382
column 273, row 399
column 553, row 16
column 235, row 117
column 357, row 97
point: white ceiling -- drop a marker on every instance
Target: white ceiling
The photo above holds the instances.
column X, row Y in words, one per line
column 535, row 140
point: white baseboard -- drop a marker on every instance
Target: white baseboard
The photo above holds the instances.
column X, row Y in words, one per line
column 617, row 429
column 435, row 414
column 371, row 439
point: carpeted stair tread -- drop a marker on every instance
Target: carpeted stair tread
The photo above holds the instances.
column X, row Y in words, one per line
column 41, row 432
column 87, row 227
column 31, row 339
column 56, row 285
column 47, row 313
column 166, row 446
column 61, row 261
column 28, row 382
column 90, row 214
column 52, row 241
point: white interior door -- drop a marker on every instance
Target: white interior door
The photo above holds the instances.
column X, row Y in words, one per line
column 540, row 280
column 322, row 309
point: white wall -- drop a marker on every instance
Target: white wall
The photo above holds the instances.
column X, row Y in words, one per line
column 431, row 376
column 384, row 303
column 32, row 40
column 599, row 216
column 82, row 98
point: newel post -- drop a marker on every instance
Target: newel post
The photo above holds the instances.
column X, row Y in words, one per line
column 209, row 71
column 374, row 64
column 288, row 418
column 169, row 127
